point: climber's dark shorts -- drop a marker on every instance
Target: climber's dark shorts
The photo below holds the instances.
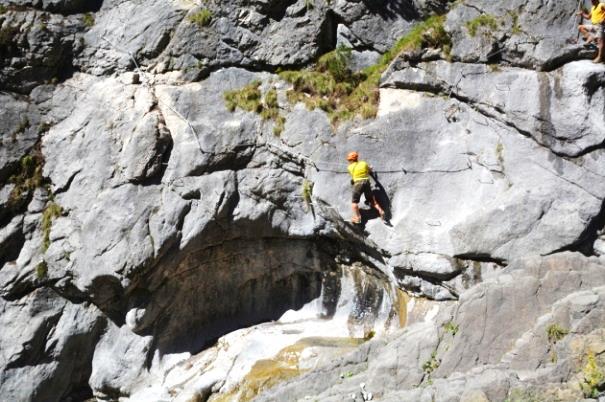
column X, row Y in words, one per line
column 362, row 187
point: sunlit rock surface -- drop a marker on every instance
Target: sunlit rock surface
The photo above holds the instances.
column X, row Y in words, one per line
column 156, row 245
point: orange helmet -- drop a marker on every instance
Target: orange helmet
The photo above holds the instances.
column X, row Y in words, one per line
column 352, row 156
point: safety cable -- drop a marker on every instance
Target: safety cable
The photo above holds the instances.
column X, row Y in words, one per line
column 145, row 83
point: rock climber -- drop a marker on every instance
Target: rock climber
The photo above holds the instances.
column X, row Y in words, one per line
column 597, row 29
column 360, row 179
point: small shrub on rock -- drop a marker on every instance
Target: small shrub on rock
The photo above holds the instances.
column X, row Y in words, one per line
column 432, row 364
column 202, row 18
column 451, row 327
column 555, row 333
column 27, row 179
column 248, row 98
column 51, row 212
column 343, row 94
column 594, row 377
column 41, row 270
column 483, row 21
column 88, row 20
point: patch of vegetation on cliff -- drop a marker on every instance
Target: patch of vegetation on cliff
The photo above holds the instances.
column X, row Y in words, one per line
column 516, row 26
column 201, row 18
column 555, row 333
column 250, row 99
column 28, row 178
column 432, row 364
column 451, row 328
column 52, row 211
column 88, row 20
column 485, row 21
column 594, row 377
column 307, row 192
column 343, row 94
column 267, row 373
column 3, row 9
column 41, row 270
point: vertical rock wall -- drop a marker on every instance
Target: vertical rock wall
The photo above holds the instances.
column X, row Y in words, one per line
column 141, row 218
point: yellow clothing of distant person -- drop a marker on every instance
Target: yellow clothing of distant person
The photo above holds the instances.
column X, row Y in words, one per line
column 597, row 14
column 359, row 170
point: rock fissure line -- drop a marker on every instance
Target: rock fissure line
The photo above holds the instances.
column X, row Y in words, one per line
column 482, row 108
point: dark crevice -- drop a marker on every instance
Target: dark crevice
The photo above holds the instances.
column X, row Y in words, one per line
column 587, row 150
column 10, row 248
column 393, row 9
column 328, row 33
column 482, row 257
column 432, row 279
column 276, row 10
column 64, row 8
column 67, row 185
column 585, row 242
column 428, row 276
column 559, row 61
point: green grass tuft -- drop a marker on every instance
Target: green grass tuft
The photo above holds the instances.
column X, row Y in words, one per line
column 51, row 212
column 343, row 94
column 307, row 191
column 26, row 180
column 332, row 87
column 451, row 328
column 555, row 333
column 201, row 18
column 594, row 377
column 3, row 9
column 280, row 124
column 248, row 98
column 482, row 21
column 516, row 27
column 336, row 63
column 432, row 364
column 41, row 270
column 88, row 20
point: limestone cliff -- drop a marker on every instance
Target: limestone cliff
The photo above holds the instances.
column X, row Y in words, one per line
column 172, row 181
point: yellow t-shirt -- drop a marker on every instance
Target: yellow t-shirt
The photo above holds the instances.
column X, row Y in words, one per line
column 597, row 14
column 359, row 170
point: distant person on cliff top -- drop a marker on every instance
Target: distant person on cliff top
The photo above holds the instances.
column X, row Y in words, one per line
column 597, row 29
column 360, row 179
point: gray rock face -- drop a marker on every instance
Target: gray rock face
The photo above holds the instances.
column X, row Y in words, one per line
column 153, row 220
column 46, row 346
column 523, row 99
column 35, row 47
column 59, row 6
column 482, row 358
column 528, row 34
